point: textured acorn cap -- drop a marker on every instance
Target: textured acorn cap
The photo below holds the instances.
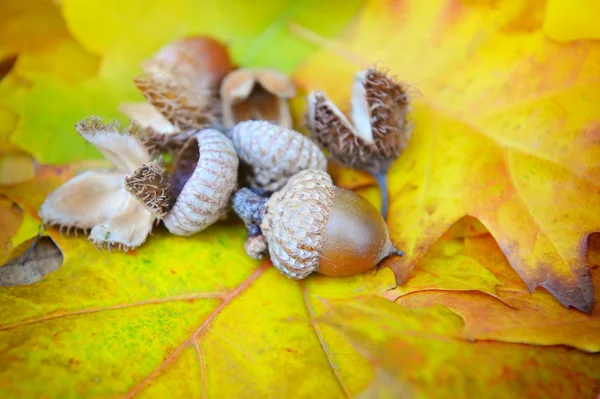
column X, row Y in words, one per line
column 295, row 222
column 173, row 92
column 274, row 153
column 97, row 201
column 203, row 179
column 208, row 58
column 379, row 129
column 257, row 93
column 150, row 186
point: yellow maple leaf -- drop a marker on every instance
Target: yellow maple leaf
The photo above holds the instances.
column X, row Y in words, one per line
column 506, row 130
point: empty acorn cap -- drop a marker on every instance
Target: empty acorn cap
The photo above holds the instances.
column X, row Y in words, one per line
column 379, row 129
column 203, row 179
column 171, row 90
column 275, row 153
column 257, row 94
column 208, row 58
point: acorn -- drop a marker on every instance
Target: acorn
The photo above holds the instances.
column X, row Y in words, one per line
column 274, row 154
column 378, row 131
column 313, row 226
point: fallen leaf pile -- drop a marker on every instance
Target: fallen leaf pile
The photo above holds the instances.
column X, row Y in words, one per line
column 495, row 201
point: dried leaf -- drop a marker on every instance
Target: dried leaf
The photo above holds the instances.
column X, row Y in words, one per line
column 32, row 264
column 516, row 315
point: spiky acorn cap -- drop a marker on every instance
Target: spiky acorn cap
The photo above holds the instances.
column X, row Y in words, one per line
column 379, row 128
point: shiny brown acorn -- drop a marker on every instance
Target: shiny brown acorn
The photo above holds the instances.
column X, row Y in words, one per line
column 313, row 226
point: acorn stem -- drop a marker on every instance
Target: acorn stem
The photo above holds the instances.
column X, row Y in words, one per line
column 250, row 208
column 396, row 251
column 382, row 182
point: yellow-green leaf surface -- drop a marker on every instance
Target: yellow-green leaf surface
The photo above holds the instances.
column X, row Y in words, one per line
column 414, row 350
column 506, row 130
column 195, row 317
column 91, row 69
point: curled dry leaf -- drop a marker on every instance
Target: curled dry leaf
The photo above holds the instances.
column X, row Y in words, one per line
column 257, row 94
column 32, row 264
column 98, row 200
column 274, row 154
column 312, row 226
column 203, row 179
column 379, row 129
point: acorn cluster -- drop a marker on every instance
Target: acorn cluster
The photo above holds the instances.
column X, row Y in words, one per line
column 212, row 137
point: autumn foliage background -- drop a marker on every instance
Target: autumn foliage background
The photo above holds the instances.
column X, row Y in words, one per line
column 497, row 195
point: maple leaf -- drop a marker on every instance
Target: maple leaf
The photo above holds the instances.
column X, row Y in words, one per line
column 506, row 130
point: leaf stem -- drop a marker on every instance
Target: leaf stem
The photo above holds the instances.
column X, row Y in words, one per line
column 382, row 182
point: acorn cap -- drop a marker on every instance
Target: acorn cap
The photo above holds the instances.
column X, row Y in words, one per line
column 203, row 179
column 379, row 129
column 171, row 90
column 257, row 93
column 208, row 58
column 150, row 186
column 97, row 201
column 295, row 222
column 275, row 153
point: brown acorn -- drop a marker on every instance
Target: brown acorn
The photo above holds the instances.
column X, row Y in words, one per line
column 379, row 129
column 257, row 94
column 274, row 154
column 313, row 226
